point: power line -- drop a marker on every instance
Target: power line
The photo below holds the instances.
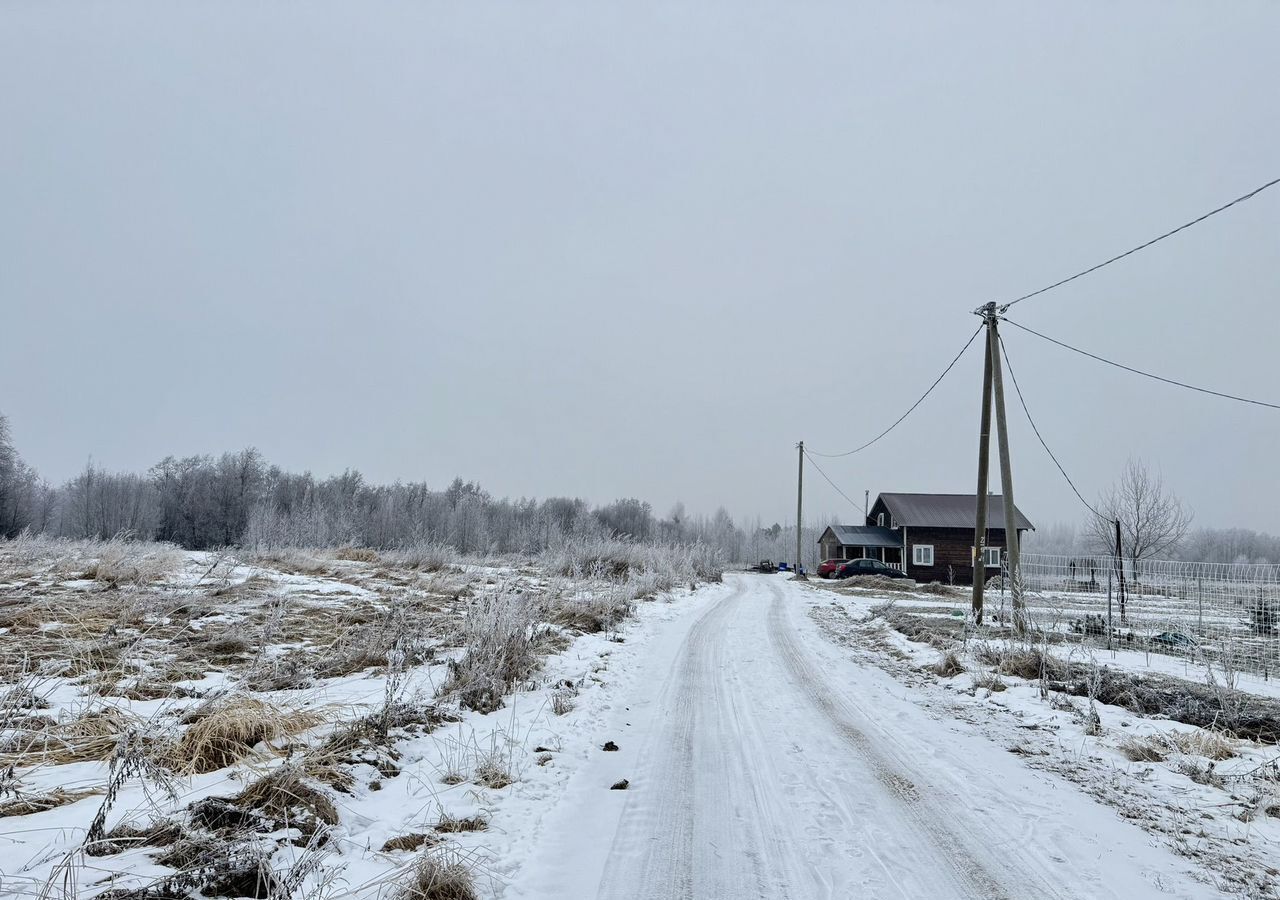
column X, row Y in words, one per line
column 936, row 382
column 1014, row 378
column 1181, row 384
column 1253, row 193
column 828, row 480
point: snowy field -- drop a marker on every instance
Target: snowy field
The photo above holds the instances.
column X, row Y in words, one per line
column 358, row 725
column 325, row 724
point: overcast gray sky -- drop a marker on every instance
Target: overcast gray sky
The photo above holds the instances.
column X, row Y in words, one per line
column 606, row 250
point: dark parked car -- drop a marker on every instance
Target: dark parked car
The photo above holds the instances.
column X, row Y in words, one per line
column 858, row 567
column 1175, row 640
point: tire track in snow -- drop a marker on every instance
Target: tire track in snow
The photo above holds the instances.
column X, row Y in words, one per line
column 653, row 852
column 707, row 817
column 746, row 790
column 925, row 812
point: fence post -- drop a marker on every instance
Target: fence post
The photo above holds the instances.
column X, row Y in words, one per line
column 1200, row 599
column 1120, row 572
column 1110, row 626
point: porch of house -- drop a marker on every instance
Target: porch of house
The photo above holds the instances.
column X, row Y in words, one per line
column 862, row 542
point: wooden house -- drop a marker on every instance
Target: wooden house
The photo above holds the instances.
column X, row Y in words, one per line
column 928, row 536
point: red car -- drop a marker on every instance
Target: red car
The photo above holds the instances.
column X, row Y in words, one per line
column 828, row 567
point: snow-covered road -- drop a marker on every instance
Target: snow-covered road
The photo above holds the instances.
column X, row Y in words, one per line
column 765, row 762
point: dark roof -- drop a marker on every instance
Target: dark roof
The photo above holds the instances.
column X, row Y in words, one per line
column 947, row 510
column 866, row 536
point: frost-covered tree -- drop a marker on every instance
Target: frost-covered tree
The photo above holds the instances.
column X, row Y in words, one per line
column 24, row 498
column 1153, row 521
column 1231, row 545
column 629, row 518
column 98, row 504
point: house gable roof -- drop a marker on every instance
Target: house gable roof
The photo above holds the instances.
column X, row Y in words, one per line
column 948, row 511
column 865, row 536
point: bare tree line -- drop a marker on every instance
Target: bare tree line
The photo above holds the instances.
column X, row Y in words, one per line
column 238, row 498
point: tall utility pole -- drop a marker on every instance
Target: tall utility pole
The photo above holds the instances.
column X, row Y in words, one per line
column 984, row 461
column 799, row 509
column 993, row 390
column 1006, row 482
column 866, row 500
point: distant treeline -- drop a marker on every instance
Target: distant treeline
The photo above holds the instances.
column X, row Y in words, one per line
column 203, row 502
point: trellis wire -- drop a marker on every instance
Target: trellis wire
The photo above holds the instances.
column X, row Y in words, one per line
column 1214, row 613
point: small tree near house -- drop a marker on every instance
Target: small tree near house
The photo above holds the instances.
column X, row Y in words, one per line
column 1153, row 521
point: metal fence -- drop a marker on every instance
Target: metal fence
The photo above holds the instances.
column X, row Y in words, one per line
column 1208, row 612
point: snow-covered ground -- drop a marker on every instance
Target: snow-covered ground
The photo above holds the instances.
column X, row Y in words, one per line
column 775, row 741
column 766, row 757
column 314, row 647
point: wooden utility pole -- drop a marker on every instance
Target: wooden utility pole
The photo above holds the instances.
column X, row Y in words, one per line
column 799, row 510
column 1006, row 478
column 984, row 461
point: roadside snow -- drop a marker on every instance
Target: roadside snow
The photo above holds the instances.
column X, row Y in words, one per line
column 1212, row 812
column 766, row 760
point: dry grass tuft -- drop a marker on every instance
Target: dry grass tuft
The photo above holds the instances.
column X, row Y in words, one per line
column 880, row 584
column 126, row 836
column 991, row 681
column 293, row 561
column 493, row 770
column 287, row 799
column 1159, row 747
column 216, row 645
column 425, row 557
column 356, row 554
column 1209, row 744
column 127, row 562
column 562, row 701
column 452, row 825
column 225, row 731
column 942, row 590
column 948, row 666
column 500, row 652
column 1028, row 663
column 93, row 736
column 410, row 842
column 590, row 615
column 439, row 875
column 251, row 586
column 26, row 804
column 1144, row 749
column 931, row 630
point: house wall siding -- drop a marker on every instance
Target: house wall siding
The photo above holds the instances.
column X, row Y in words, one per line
column 951, row 553
column 875, row 512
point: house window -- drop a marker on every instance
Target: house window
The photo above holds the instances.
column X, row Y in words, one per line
column 922, row 554
column 991, row 557
column 893, row 523
column 880, row 520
